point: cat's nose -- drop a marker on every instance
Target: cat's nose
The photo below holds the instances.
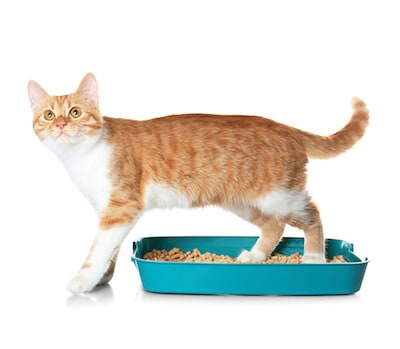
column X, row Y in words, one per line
column 61, row 125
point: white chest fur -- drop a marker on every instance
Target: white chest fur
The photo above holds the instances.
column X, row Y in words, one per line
column 88, row 166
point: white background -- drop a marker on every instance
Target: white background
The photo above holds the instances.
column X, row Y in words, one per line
column 298, row 62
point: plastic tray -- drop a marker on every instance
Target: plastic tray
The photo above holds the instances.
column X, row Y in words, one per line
column 247, row 279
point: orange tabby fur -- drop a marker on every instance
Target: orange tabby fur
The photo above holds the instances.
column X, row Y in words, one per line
column 245, row 164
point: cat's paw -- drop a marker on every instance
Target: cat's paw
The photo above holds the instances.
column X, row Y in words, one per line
column 313, row 258
column 251, row 257
column 80, row 284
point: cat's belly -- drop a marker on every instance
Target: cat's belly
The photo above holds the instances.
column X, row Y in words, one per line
column 279, row 202
column 158, row 195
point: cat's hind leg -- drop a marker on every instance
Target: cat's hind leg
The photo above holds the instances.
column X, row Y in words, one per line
column 314, row 242
column 271, row 231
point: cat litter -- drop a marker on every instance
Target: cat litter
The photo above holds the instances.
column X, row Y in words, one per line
column 216, row 272
column 176, row 255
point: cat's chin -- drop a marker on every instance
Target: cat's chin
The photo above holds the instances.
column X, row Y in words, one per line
column 57, row 144
column 64, row 139
column 62, row 142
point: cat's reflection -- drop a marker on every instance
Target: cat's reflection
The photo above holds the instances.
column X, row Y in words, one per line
column 100, row 296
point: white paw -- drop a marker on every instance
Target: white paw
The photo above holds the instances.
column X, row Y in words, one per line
column 80, row 283
column 313, row 258
column 251, row 257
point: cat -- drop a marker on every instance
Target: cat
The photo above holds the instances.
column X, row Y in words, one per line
column 249, row 165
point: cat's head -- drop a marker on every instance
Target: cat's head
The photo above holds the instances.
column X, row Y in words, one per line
column 66, row 120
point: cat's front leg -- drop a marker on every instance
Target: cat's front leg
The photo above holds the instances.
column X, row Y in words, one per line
column 110, row 269
column 104, row 249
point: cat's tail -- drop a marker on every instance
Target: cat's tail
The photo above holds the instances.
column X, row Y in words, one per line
column 320, row 147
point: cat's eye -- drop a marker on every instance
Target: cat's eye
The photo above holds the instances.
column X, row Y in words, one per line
column 49, row 115
column 75, row 112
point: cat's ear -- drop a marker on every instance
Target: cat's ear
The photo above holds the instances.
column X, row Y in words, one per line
column 37, row 95
column 88, row 89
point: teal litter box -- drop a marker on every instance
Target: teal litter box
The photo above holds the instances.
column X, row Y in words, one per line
column 246, row 279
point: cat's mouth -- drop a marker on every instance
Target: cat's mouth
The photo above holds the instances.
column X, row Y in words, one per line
column 62, row 135
column 65, row 133
column 67, row 137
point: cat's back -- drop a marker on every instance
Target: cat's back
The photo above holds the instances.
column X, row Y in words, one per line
column 194, row 124
column 206, row 131
column 190, row 121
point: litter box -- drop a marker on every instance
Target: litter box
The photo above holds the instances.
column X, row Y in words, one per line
column 247, row 279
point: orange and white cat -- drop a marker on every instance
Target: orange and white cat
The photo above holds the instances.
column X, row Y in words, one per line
column 250, row 165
